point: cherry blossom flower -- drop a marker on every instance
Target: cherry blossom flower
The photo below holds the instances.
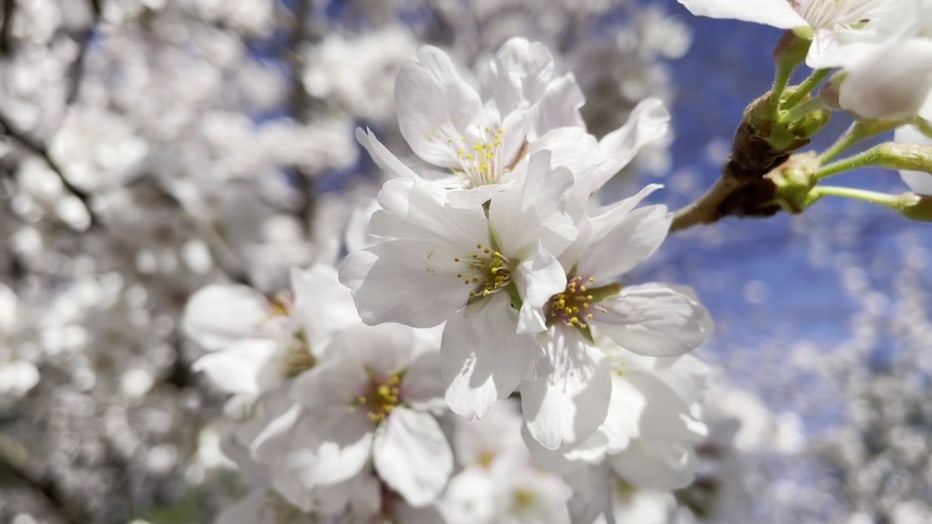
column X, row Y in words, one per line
column 647, row 438
column 255, row 343
column 371, row 400
column 478, row 135
column 833, row 22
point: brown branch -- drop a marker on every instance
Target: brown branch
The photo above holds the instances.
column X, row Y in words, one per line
column 76, row 70
column 743, row 190
column 299, row 104
column 6, row 28
column 42, row 152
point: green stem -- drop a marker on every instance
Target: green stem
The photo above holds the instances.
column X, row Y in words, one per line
column 805, row 88
column 895, row 202
column 910, row 205
column 800, row 111
column 781, row 80
column 859, row 130
column 911, row 157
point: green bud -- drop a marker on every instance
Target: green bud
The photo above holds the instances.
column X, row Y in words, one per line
column 794, row 179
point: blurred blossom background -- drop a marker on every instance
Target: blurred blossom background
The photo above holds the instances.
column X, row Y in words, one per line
column 151, row 147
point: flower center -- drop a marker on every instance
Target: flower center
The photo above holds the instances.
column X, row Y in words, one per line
column 380, row 398
column 481, row 160
column 826, row 14
column 298, row 356
column 573, row 307
column 485, row 269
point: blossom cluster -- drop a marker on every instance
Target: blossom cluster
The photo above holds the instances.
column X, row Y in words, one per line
column 152, row 147
column 489, row 269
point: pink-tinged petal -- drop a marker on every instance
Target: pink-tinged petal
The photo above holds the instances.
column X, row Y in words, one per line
column 776, row 13
column 247, row 367
column 653, row 320
column 412, row 455
column 380, row 154
column 482, row 358
column 219, row 315
column 404, row 281
column 435, row 106
column 649, row 121
column 538, row 277
column 569, row 399
column 619, row 242
column 919, row 182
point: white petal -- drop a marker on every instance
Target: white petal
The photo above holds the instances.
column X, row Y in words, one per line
column 219, row 315
column 592, row 494
column 618, row 242
column 890, row 82
column 423, row 384
column 417, row 209
column 662, row 456
column 412, row 455
column 517, row 75
column 405, row 281
column 649, row 121
column 482, row 357
column 653, row 320
column 329, row 451
column 383, row 349
column 322, row 304
column 248, row 367
column 569, row 399
column 434, row 106
column 567, row 459
column 559, row 107
column 530, row 211
column 538, row 277
column 339, row 437
column 590, row 230
column 656, row 464
column 918, row 181
column 380, row 154
column 776, row 13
